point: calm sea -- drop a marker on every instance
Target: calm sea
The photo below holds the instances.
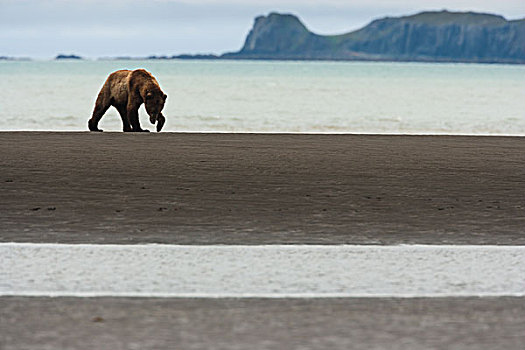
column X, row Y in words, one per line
column 269, row 96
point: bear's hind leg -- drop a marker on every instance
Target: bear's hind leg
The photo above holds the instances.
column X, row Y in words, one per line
column 101, row 106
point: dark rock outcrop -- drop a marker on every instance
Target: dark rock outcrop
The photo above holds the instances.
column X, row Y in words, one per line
column 428, row 36
column 195, row 57
column 68, row 57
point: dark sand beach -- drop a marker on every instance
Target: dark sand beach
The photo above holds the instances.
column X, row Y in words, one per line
column 370, row 323
column 261, row 189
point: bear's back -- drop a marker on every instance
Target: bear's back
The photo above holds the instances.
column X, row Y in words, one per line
column 118, row 85
column 143, row 78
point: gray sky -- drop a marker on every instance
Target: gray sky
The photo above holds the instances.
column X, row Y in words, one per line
column 95, row 28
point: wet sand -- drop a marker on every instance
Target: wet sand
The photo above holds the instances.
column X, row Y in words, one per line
column 261, row 189
column 124, row 323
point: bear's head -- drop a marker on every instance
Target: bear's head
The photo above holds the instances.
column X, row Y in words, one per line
column 154, row 104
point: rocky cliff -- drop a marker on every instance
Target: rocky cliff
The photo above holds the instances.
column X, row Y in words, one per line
column 428, row 36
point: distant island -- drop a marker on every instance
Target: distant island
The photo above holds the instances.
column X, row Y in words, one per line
column 428, row 36
column 68, row 57
column 164, row 57
column 9, row 58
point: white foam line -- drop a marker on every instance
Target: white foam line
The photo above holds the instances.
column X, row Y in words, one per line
column 256, row 295
column 264, row 271
column 264, row 246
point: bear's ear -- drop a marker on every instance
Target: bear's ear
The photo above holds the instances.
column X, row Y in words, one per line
column 149, row 95
column 165, row 97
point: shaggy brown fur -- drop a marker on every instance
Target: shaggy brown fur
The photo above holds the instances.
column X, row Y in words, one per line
column 126, row 90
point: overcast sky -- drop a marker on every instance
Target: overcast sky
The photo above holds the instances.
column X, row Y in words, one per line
column 95, row 28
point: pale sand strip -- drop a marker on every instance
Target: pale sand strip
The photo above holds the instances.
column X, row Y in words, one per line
column 273, row 271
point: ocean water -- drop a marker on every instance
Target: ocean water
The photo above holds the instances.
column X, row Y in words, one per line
column 272, row 96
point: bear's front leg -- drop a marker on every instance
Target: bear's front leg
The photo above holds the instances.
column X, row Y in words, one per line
column 124, row 116
column 160, row 122
column 133, row 116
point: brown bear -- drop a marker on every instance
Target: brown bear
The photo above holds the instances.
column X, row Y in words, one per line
column 126, row 90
